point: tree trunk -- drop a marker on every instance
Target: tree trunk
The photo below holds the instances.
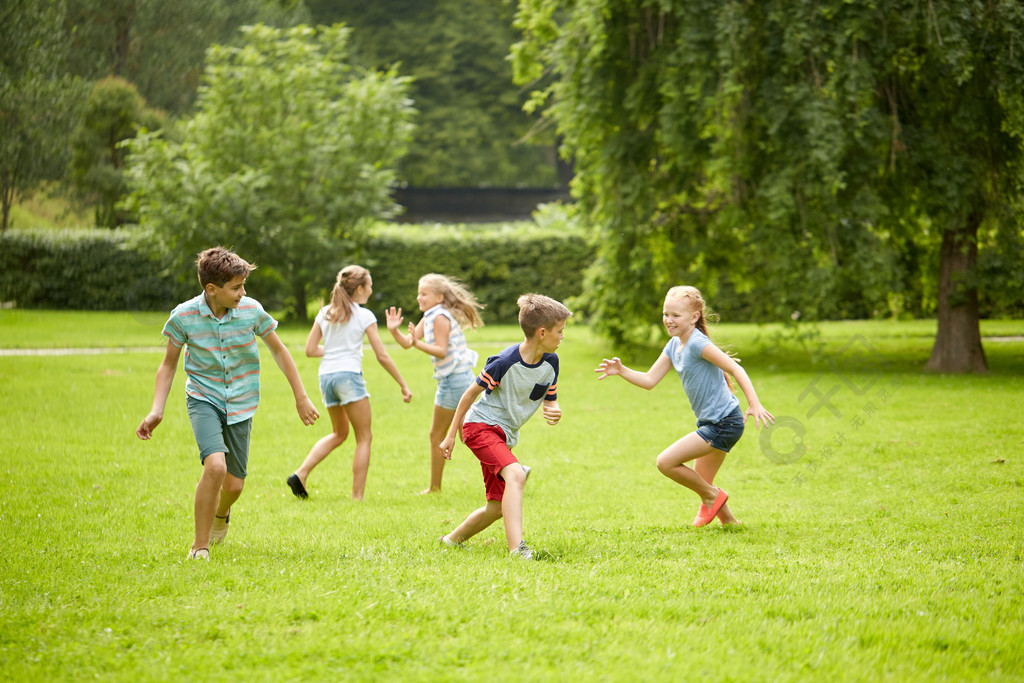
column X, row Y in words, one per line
column 123, row 40
column 299, row 292
column 6, row 212
column 958, row 340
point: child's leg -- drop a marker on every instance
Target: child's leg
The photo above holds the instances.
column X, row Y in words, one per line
column 359, row 415
column 322, row 448
column 671, row 462
column 478, row 520
column 230, row 490
column 208, row 492
column 707, row 467
column 438, row 430
column 512, row 503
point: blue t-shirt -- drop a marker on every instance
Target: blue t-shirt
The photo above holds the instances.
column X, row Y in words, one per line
column 514, row 391
column 703, row 382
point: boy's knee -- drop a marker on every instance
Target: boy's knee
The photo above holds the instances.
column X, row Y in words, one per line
column 214, row 465
column 514, row 475
column 233, row 484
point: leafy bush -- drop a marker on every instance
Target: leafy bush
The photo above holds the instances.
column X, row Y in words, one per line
column 85, row 270
column 118, row 269
column 496, row 263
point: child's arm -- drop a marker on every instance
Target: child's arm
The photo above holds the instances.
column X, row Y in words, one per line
column 307, row 412
column 468, row 397
column 442, row 328
column 552, row 413
column 393, row 317
column 164, row 380
column 644, row 380
column 313, row 348
column 727, row 363
column 385, row 361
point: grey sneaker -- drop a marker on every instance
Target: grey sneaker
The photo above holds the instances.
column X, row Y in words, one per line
column 445, row 541
column 220, row 528
column 199, row 554
column 523, row 551
column 526, row 472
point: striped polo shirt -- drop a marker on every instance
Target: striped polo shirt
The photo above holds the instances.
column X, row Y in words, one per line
column 458, row 357
column 222, row 360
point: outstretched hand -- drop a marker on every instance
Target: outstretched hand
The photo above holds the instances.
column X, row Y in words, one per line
column 394, row 317
column 760, row 415
column 609, row 367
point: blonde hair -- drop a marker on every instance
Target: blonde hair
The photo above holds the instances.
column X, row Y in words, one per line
column 456, row 298
column 350, row 278
column 537, row 311
column 691, row 297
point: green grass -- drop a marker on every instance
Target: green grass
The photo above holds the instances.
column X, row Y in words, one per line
column 896, row 556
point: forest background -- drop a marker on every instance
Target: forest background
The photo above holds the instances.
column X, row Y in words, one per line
column 798, row 162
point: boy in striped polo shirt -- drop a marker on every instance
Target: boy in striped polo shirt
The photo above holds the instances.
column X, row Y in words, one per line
column 218, row 330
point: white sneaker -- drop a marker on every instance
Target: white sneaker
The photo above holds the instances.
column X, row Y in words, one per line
column 199, row 554
column 220, row 528
column 522, row 550
column 526, row 472
column 449, row 542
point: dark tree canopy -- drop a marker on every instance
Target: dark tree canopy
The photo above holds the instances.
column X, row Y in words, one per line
column 471, row 130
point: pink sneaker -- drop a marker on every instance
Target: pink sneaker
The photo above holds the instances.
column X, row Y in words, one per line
column 706, row 514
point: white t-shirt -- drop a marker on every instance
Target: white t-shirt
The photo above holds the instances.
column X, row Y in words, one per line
column 343, row 342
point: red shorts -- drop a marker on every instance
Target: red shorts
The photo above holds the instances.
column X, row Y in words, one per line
column 488, row 444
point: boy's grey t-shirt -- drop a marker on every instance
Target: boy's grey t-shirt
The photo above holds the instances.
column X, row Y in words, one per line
column 513, row 391
column 703, row 382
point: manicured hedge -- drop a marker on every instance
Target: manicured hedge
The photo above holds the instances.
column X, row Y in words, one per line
column 112, row 269
column 83, row 270
column 496, row 263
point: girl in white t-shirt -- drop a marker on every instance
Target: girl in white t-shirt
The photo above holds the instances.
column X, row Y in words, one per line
column 341, row 327
column 448, row 307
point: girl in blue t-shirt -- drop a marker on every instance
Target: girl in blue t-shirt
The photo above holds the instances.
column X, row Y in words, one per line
column 702, row 367
column 337, row 340
column 447, row 307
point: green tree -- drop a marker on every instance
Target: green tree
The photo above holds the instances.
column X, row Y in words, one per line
column 471, row 129
column 39, row 102
column 290, row 151
column 113, row 113
column 797, row 151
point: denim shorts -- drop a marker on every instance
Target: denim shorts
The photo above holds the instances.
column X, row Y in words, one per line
column 214, row 435
column 342, row 388
column 451, row 388
column 723, row 434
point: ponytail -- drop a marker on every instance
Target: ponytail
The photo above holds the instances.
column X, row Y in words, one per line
column 350, row 278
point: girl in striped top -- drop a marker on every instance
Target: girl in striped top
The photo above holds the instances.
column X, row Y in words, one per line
column 447, row 307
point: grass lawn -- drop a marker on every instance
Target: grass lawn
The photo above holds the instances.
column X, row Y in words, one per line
column 881, row 539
